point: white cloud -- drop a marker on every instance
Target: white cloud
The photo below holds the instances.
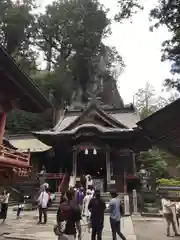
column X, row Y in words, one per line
column 140, row 48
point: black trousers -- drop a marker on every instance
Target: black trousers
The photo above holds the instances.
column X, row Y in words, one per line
column 4, row 209
column 42, row 211
column 115, row 228
column 97, row 231
column 19, row 211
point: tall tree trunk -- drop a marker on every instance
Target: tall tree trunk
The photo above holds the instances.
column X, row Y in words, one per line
column 49, row 56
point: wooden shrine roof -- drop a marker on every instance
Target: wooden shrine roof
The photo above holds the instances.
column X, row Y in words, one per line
column 126, row 116
column 18, row 86
column 25, row 143
column 94, row 122
column 163, row 127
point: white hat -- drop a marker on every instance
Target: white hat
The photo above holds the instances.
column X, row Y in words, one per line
column 88, row 191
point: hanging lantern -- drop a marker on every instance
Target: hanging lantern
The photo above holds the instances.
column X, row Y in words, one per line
column 86, row 151
column 94, row 151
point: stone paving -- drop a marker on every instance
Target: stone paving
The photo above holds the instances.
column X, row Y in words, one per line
column 26, row 228
column 150, row 228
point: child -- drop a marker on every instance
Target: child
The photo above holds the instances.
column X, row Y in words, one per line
column 20, row 207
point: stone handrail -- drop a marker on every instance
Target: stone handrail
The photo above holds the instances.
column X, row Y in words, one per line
column 52, row 175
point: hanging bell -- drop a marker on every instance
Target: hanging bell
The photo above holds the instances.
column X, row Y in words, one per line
column 86, row 151
column 94, row 151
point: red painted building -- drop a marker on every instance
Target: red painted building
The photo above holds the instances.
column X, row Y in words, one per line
column 17, row 91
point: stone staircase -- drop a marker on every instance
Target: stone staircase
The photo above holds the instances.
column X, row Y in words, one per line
column 26, row 188
column 12, row 203
column 55, row 204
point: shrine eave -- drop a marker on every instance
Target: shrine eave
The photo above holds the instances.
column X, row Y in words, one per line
column 90, row 131
column 17, row 82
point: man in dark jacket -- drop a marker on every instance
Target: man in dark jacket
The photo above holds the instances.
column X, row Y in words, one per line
column 71, row 211
column 97, row 207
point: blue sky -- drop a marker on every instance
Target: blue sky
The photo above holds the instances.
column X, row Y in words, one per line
column 140, row 49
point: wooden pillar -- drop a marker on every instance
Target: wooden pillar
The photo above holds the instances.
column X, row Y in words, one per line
column 108, row 168
column 2, row 125
column 74, row 166
column 134, row 162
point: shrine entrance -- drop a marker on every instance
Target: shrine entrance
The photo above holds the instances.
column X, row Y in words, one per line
column 93, row 162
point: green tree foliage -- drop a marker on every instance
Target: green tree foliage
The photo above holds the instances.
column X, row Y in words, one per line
column 162, row 163
column 154, row 160
column 147, row 102
column 144, row 101
column 17, row 30
column 167, row 13
column 158, row 160
column 70, row 34
column 168, row 182
column 127, row 8
column 19, row 121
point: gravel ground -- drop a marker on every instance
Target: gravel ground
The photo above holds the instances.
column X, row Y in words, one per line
column 151, row 230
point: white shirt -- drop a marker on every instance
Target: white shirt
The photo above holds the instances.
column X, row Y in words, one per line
column 72, row 181
column 7, row 198
column 165, row 203
column 89, row 182
column 86, row 201
column 43, row 199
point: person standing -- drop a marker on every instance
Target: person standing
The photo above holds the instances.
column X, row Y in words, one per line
column 97, row 207
column 4, row 205
column 83, row 181
column 68, row 218
column 20, row 207
column 89, row 182
column 43, row 202
column 115, row 216
column 80, row 197
column 168, row 215
column 85, row 211
column 63, row 197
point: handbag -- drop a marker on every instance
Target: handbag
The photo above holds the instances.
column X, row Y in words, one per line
column 59, row 228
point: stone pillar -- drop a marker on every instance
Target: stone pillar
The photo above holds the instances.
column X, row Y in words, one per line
column 135, row 208
column 74, row 166
column 2, row 125
column 126, row 205
column 108, row 169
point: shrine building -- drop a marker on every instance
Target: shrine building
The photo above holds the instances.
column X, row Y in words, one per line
column 100, row 140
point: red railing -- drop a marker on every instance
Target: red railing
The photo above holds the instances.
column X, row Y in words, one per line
column 14, row 157
column 61, row 183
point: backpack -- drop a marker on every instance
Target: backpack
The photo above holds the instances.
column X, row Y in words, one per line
column 80, row 197
column 63, row 215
